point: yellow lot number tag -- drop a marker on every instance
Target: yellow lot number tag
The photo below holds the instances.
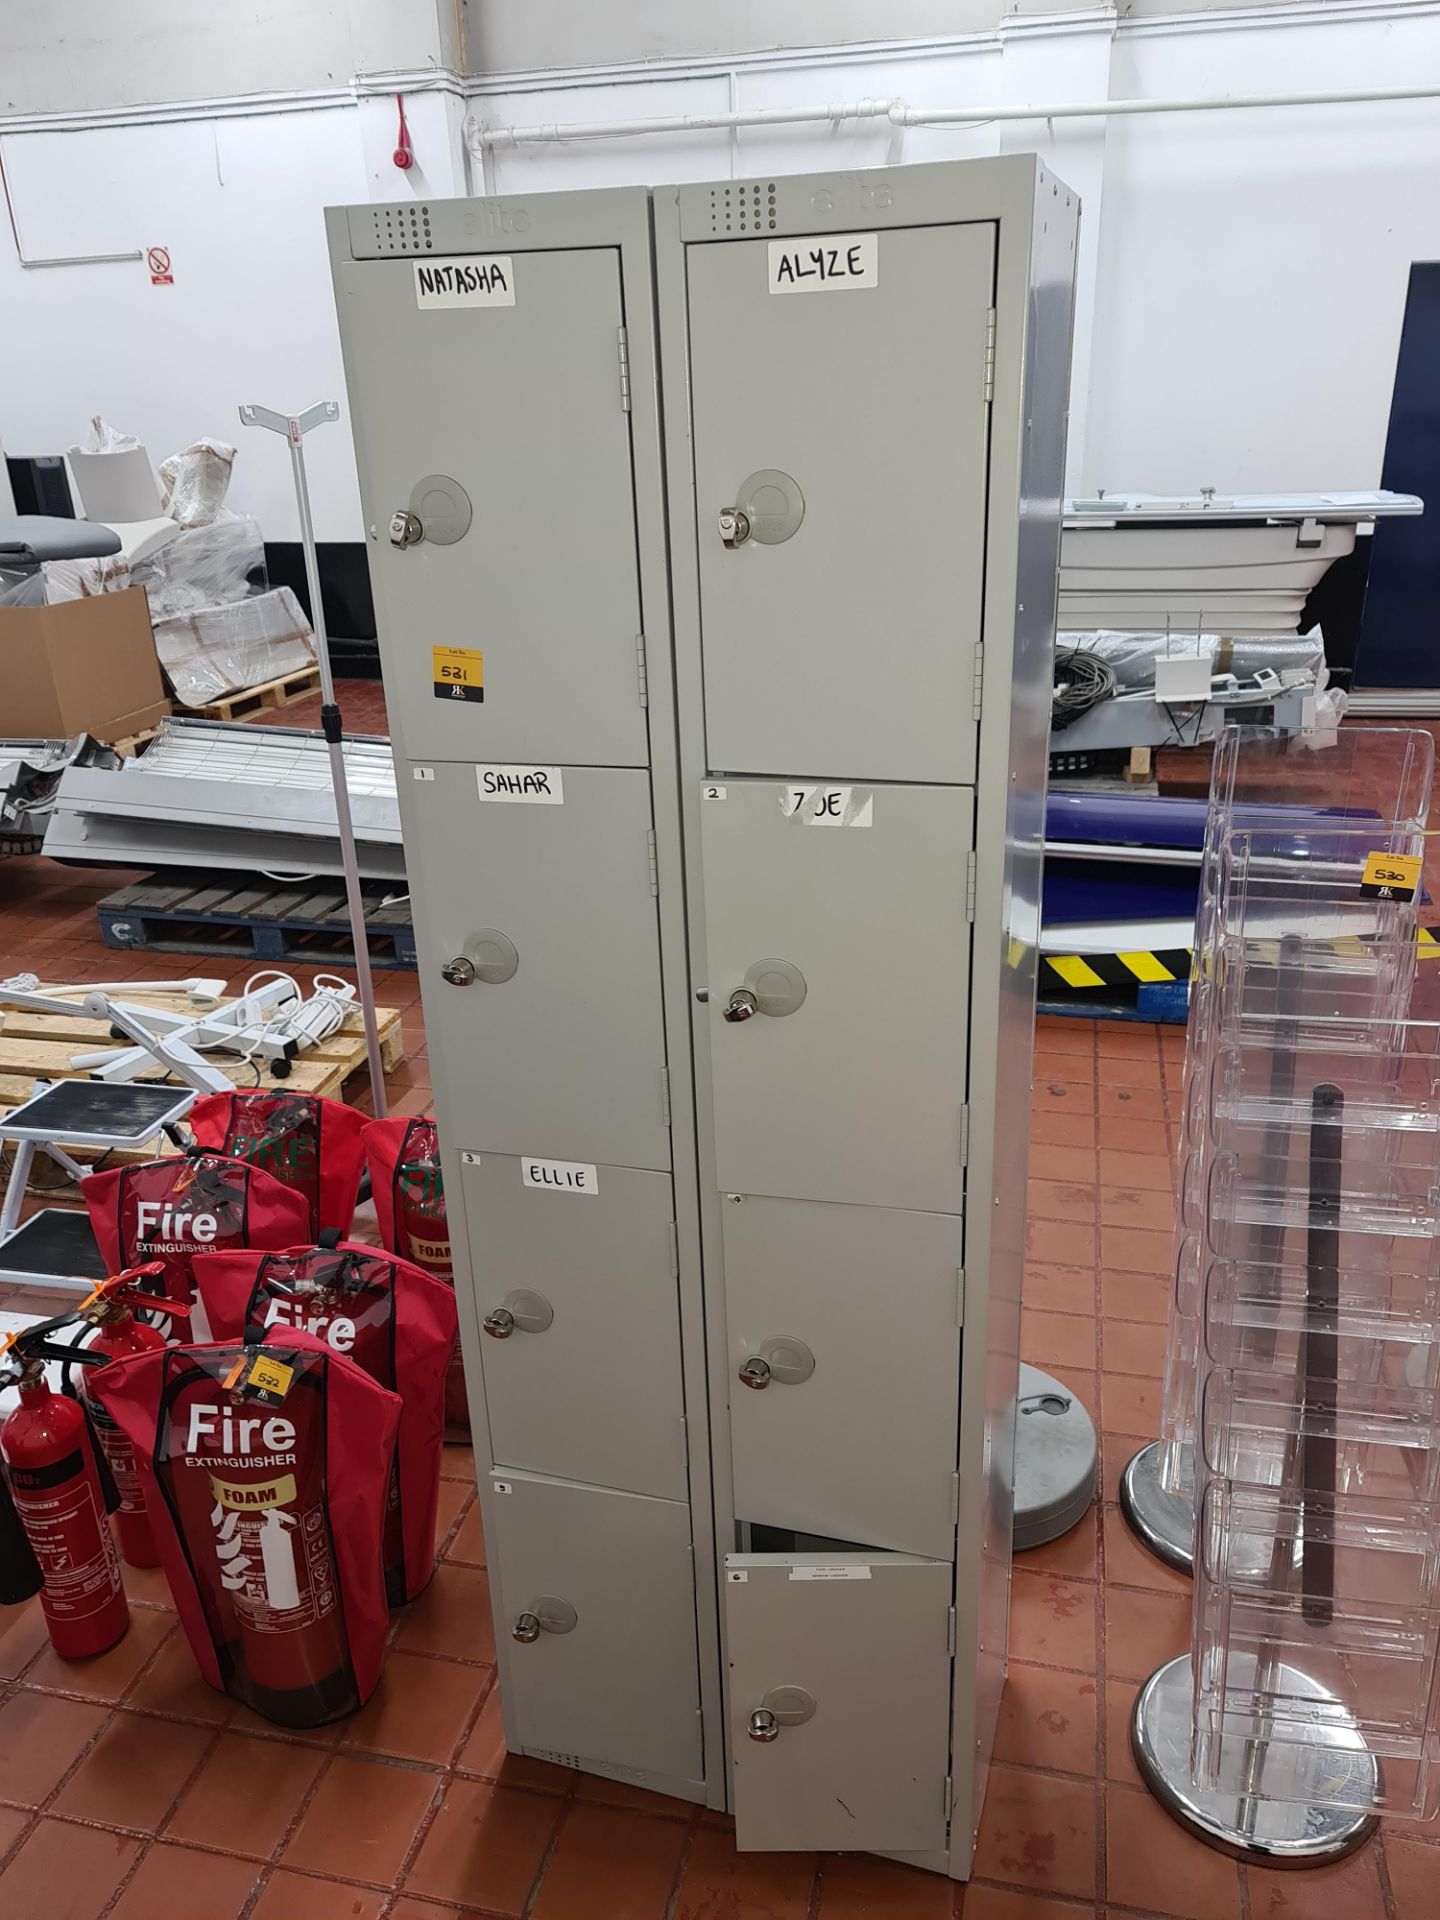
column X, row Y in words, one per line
column 1391, row 876
column 457, row 673
column 270, row 1377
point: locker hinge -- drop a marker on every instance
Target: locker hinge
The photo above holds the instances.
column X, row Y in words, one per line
column 674, row 1228
column 990, row 356
column 665, row 1102
column 955, row 1498
column 950, row 1646
column 622, row 341
column 655, row 865
column 965, row 1135
column 971, row 864
column 641, row 673
column 949, row 1801
column 685, row 1456
column 959, row 1296
column 979, row 700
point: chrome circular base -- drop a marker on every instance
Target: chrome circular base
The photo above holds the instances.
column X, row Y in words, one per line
column 1163, row 1522
column 1314, row 1803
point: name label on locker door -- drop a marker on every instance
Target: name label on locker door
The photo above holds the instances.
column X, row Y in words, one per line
column 824, row 263
column 828, row 806
column 539, row 786
column 468, row 280
column 560, row 1176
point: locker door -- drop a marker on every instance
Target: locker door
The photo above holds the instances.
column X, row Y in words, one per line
column 857, row 417
column 620, row 1685
column 583, row 1378
column 565, row 1056
column 851, row 1657
column 863, row 1446
column 521, row 405
column 853, row 1094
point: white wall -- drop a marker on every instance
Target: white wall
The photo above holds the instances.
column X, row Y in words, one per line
column 1242, row 276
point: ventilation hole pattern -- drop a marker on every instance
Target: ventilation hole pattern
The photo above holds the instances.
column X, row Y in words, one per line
column 403, row 229
column 743, row 207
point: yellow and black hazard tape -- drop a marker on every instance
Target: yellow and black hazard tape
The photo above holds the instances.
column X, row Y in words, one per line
column 1078, row 972
column 1083, row 972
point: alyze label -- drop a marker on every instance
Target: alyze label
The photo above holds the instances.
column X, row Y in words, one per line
column 466, row 280
column 824, row 263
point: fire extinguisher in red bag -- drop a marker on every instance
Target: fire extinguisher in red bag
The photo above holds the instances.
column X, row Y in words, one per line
column 61, row 1493
column 306, row 1143
column 408, row 1185
column 267, row 1468
column 168, row 1210
column 111, row 1311
column 390, row 1318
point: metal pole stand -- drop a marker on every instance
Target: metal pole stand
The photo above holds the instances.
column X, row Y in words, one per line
column 1292, row 1819
column 1163, row 1522
column 295, row 427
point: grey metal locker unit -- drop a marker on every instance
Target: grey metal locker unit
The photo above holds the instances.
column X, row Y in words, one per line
column 556, row 1045
column 582, row 1347
column 865, row 377
column 501, row 364
column 594, row 1588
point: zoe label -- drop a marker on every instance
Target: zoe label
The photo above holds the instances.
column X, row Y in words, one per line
column 828, row 806
column 466, row 280
column 560, row 1176
column 824, row 263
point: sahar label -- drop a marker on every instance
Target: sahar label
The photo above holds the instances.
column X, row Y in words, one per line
column 539, row 786
column 465, row 280
column 824, row 263
column 457, row 673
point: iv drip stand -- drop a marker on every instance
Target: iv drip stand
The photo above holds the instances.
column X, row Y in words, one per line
column 295, row 427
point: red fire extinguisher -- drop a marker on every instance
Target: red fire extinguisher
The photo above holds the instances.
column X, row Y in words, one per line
column 408, row 1184
column 111, row 1311
column 61, row 1492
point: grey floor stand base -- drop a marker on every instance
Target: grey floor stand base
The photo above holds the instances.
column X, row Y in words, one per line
column 1284, row 1826
column 1055, row 1457
column 1163, row 1522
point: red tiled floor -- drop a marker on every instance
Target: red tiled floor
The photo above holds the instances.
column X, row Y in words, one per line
column 416, row 1798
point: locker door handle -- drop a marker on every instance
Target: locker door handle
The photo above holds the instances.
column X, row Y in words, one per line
column 521, row 1311
column 548, row 1615
column 783, row 1359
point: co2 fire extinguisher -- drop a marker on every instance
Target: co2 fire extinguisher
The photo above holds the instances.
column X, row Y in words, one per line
column 408, row 1185
column 61, row 1494
column 267, row 1468
column 110, row 1309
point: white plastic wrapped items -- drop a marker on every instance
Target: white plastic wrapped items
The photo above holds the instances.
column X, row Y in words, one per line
column 215, row 651
column 196, row 481
column 103, row 438
column 204, row 567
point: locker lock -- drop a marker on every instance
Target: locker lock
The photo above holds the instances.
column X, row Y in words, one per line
column 548, row 1615
column 459, row 971
column 786, row 1361
column 405, row 528
column 734, row 526
column 521, row 1312
column 742, row 1005
column 781, row 1707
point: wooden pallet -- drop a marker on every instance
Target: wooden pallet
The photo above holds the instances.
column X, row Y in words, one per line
column 270, row 693
column 132, row 743
column 267, row 920
column 38, row 1046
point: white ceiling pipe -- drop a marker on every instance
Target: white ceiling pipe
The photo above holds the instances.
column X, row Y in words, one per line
column 684, row 123
column 901, row 115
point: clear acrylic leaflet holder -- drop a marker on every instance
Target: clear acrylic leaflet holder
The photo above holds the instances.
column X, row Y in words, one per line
column 1266, row 780
column 1308, row 1278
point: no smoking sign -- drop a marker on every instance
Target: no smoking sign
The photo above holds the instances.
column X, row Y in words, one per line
column 158, row 261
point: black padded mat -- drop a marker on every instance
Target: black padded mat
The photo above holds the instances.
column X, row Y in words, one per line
column 59, row 1241
column 97, row 1106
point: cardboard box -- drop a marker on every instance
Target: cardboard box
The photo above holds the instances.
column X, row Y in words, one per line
column 85, row 666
